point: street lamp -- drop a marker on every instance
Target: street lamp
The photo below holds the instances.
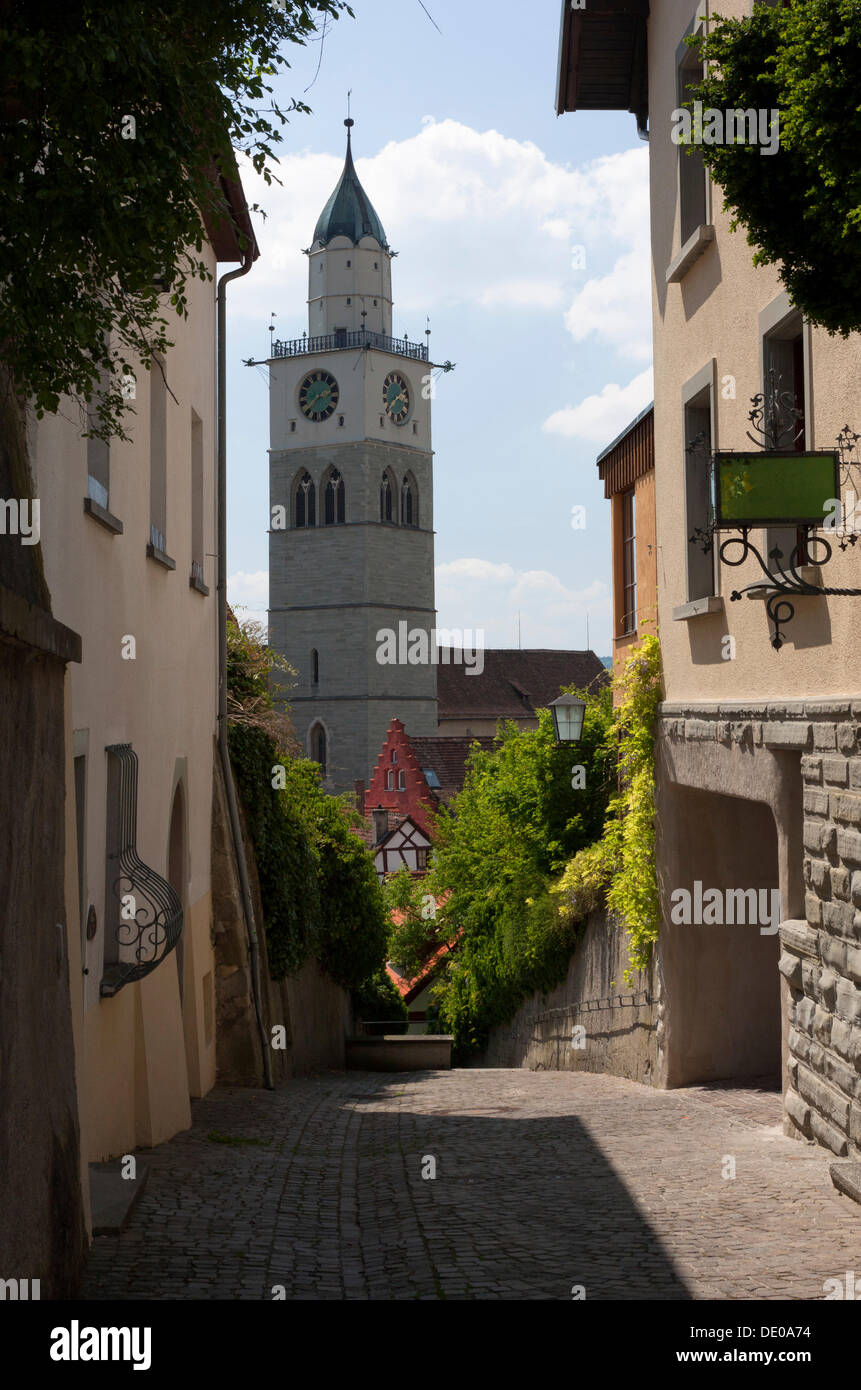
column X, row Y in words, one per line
column 568, row 712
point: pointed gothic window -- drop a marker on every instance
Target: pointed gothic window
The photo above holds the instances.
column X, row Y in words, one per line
column 386, row 498
column 333, row 514
column 409, row 502
column 317, row 741
column 305, row 513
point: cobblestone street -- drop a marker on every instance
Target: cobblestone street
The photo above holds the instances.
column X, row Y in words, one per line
column 544, row 1180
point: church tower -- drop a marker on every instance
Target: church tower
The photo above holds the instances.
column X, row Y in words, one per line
column 351, row 496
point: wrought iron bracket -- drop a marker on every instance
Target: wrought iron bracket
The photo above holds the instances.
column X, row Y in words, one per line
column 786, row 581
column 772, row 417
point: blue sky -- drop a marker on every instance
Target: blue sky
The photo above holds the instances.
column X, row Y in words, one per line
column 487, row 196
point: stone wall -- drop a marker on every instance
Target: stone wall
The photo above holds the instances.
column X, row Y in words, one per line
column 318, row 1016
column 42, row 1206
column 803, row 759
column 618, row 1019
column 821, row 956
column 315, row 1012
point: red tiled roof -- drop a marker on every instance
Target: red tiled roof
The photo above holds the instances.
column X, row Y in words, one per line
column 514, row 684
column 408, row 989
column 446, row 756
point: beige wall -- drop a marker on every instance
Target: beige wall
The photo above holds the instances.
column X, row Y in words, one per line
column 711, row 316
column 141, row 1055
column 479, row 728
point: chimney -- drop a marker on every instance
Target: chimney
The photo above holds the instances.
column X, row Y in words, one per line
column 359, row 790
column 381, row 824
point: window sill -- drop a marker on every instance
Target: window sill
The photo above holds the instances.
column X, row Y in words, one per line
column 690, row 252
column 698, row 608
column 103, row 516
column 160, row 557
column 808, row 574
column 198, row 585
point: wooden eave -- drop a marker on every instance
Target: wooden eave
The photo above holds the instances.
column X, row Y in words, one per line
column 630, row 456
column 226, row 231
column 602, row 58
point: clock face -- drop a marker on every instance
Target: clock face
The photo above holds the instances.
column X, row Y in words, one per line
column 318, row 395
column 396, row 398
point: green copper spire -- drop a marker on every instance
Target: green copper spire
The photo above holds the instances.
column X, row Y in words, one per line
column 349, row 211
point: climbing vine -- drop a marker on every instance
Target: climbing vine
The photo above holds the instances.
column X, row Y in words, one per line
column 318, row 884
column 622, row 863
column 518, row 917
column 520, row 817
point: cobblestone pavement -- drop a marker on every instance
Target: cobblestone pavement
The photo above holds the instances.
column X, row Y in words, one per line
column 544, row 1181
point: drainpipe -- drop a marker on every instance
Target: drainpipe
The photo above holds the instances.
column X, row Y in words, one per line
column 230, row 788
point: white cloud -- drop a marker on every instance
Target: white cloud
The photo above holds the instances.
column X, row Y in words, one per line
column 249, row 591
column 599, row 418
column 616, row 308
column 523, row 294
column 480, row 594
column 557, row 227
column 486, row 570
column 488, row 220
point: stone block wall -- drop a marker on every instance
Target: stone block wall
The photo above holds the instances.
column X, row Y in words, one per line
column 739, row 750
column 821, row 956
column 618, row 1019
column 315, row 1012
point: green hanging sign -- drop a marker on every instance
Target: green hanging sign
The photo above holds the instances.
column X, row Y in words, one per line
column 777, row 488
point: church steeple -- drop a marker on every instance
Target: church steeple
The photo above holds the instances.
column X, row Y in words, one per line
column 349, row 262
column 349, row 211
column 351, row 471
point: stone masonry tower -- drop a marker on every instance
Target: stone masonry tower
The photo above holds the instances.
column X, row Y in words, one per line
column 351, row 494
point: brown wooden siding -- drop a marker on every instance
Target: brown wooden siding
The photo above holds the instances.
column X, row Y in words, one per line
column 632, row 458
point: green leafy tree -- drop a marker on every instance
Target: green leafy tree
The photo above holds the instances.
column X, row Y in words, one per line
column 119, row 120
column 318, row 885
column 801, row 206
column 496, row 850
column 413, row 929
column 378, row 1000
column 519, row 818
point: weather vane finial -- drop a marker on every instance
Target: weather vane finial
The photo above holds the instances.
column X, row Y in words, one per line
column 349, row 121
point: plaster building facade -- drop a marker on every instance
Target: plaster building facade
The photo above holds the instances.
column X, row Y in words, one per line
column 351, row 490
column 128, row 540
column 758, row 748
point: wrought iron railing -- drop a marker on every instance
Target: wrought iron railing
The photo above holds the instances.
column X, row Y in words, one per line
column 150, row 909
column 329, row 342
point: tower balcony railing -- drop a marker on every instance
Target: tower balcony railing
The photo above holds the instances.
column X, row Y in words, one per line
column 342, row 338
